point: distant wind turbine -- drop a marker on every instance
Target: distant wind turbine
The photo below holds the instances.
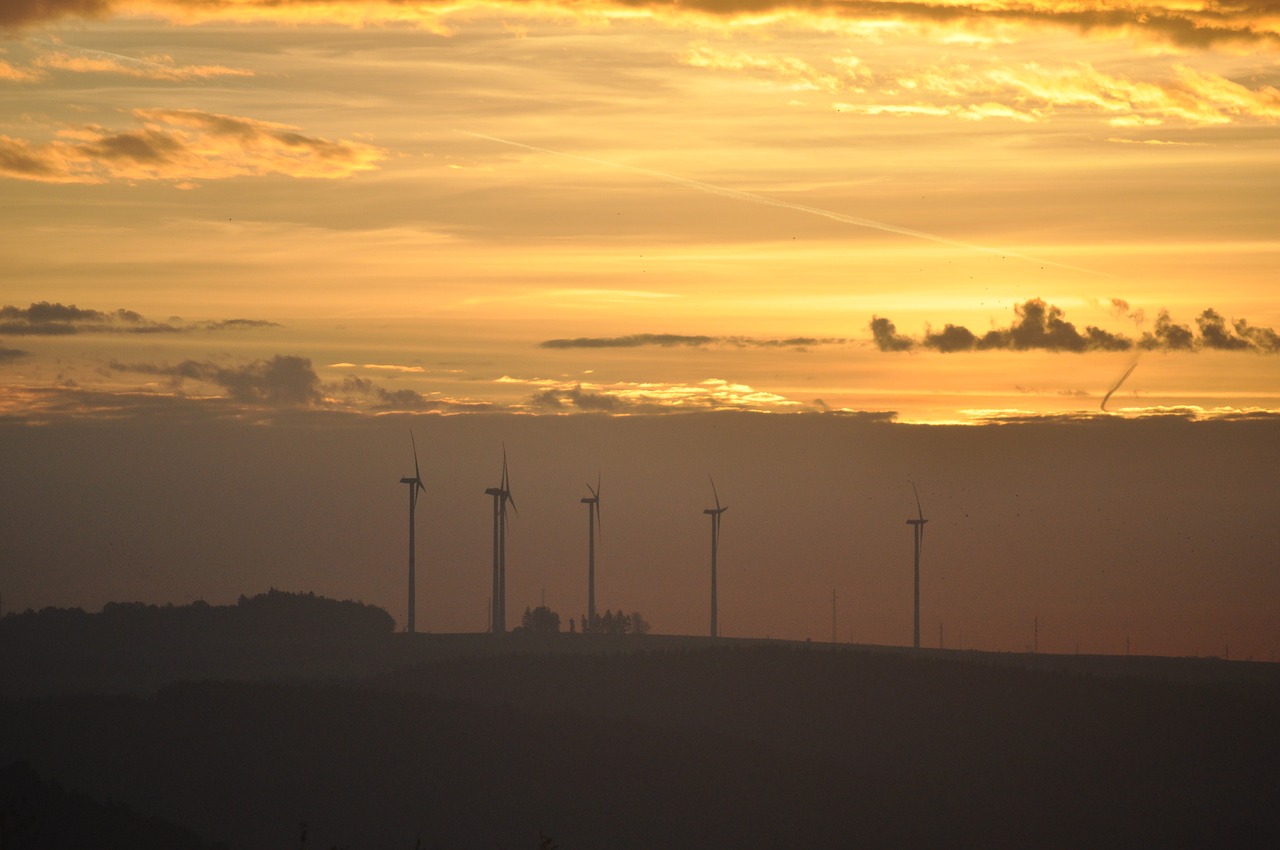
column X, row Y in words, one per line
column 714, row 513
column 593, row 520
column 501, row 496
column 415, row 487
column 917, row 532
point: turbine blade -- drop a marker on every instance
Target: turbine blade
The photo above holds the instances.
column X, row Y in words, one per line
column 713, row 490
column 599, row 522
column 919, row 509
column 414, row 443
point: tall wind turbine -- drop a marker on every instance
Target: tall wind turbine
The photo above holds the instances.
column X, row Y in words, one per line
column 593, row 520
column 917, row 531
column 714, row 513
column 501, row 496
column 415, row 487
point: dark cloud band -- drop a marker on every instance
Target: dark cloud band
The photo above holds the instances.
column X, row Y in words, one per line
column 54, row 319
column 1044, row 327
column 694, row 341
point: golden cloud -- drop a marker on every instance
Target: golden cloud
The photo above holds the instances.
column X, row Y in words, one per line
column 1033, row 92
column 183, row 145
column 13, row 74
column 151, row 68
column 1190, row 24
column 656, row 397
column 850, row 74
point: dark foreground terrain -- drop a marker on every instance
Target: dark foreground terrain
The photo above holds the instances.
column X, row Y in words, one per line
column 650, row 742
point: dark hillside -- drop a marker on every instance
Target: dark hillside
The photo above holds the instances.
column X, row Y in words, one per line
column 747, row 746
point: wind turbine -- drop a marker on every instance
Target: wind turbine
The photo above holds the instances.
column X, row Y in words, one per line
column 415, row 487
column 917, row 532
column 593, row 519
column 501, row 496
column 714, row 513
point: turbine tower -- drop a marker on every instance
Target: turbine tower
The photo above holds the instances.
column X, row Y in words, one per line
column 714, row 513
column 917, row 531
column 415, row 487
column 501, row 496
column 593, row 520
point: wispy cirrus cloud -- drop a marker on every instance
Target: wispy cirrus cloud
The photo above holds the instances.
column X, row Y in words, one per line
column 1023, row 92
column 17, row 74
column 846, row 74
column 1044, row 327
column 56, row 319
column 82, row 61
column 1189, row 25
column 183, row 145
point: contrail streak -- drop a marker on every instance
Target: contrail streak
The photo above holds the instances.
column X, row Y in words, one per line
column 1123, row 378
column 98, row 54
column 738, row 195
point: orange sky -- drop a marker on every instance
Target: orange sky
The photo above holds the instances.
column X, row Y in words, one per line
column 369, row 208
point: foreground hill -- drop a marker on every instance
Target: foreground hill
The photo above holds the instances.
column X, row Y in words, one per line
column 486, row 743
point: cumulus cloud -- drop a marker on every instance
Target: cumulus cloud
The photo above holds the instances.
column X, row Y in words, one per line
column 691, row 341
column 887, row 337
column 1168, row 335
column 283, row 380
column 55, row 319
column 183, row 145
column 1044, row 327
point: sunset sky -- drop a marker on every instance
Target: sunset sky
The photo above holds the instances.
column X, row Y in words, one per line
column 343, row 218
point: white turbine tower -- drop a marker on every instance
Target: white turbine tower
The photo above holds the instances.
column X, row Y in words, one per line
column 415, row 487
column 593, row 521
column 501, row 496
column 917, row 532
column 714, row 513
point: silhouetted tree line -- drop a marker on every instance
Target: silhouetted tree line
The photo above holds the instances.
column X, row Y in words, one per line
column 131, row 646
column 541, row 620
column 276, row 613
column 610, row 623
